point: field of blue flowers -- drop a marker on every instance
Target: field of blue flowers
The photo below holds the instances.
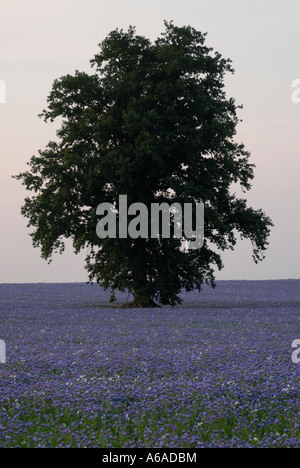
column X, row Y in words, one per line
column 213, row 372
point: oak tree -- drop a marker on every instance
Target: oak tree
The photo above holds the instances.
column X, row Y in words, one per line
column 152, row 121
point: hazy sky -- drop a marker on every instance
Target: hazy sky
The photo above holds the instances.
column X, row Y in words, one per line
column 44, row 39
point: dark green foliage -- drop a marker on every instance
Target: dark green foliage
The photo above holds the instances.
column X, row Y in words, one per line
column 152, row 122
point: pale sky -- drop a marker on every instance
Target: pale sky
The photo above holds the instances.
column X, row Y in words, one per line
column 44, row 39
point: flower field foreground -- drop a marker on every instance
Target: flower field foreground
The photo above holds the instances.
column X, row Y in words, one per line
column 214, row 372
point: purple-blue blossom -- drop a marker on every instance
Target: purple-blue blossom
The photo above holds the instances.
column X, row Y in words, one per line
column 213, row 372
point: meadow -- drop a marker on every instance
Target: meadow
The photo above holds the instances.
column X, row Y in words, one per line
column 213, row 372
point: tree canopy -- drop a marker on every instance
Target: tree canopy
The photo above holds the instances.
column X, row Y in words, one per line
column 151, row 121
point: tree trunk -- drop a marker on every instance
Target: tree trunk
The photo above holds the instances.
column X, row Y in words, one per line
column 140, row 302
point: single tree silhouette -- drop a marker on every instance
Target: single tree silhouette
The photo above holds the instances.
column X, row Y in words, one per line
column 152, row 122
